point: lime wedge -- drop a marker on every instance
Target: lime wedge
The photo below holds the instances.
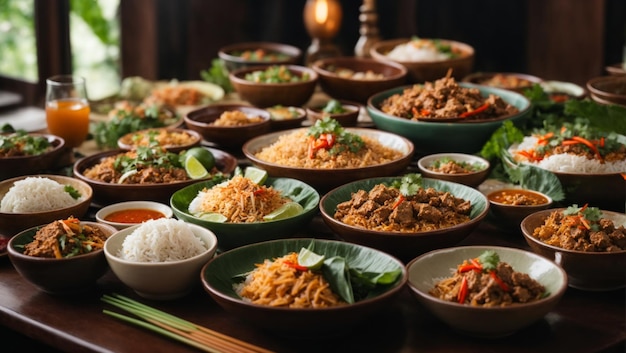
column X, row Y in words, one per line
column 309, row 259
column 213, row 217
column 194, row 168
column 290, row 209
column 203, row 155
column 255, row 174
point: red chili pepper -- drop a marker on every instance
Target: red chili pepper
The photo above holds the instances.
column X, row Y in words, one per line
column 476, row 263
column 258, row 192
column 296, row 266
column 569, row 142
column 480, row 109
column 498, row 280
column 463, row 291
column 398, row 201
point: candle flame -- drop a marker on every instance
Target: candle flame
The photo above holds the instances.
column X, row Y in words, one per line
column 321, row 11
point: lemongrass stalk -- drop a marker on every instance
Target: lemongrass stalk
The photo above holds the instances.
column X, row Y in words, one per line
column 148, row 308
column 151, row 313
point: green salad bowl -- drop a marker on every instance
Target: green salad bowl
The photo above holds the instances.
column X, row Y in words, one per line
column 232, row 235
column 224, row 271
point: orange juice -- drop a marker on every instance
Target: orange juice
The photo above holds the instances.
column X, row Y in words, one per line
column 69, row 119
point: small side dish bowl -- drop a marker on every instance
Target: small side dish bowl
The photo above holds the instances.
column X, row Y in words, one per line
column 18, row 165
column 560, row 92
column 159, row 280
column 513, row 81
column 202, row 120
column 126, row 214
column 13, row 222
column 265, row 95
column 487, row 322
column 609, row 89
column 172, row 139
column 403, row 245
column 284, row 118
column 616, row 69
column 347, row 117
column 512, row 205
column 590, row 271
column 429, row 69
column 221, row 274
column 63, row 276
column 356, row 79
column 242, row 55
column 232, row 235
column 462, row 168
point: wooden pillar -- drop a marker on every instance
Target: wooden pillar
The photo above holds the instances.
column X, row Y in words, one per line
column 139, row 50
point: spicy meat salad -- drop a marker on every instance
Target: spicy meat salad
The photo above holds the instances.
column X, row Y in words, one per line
column 448, row 165
column 65, row 238
column 486, row 281
column 23, row 144
column 403, row 207
column 444, row 99
column 582, row 229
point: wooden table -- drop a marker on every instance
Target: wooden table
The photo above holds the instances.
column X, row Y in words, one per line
column 582, row 321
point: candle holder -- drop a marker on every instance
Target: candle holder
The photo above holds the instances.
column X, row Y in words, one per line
column 368, row 30
column 322, row 19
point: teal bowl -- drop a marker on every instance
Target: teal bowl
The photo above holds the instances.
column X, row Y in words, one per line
column 436, row 137
column 232, row 235
column 403, row 245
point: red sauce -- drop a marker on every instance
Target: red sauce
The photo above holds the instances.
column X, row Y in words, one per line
column 517, row 197
column 136, row 215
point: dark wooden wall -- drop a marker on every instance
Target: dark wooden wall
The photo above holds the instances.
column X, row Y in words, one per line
column 570, row 40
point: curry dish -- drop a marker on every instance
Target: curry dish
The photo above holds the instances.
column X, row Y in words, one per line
column 65, row 238
column 517, row 197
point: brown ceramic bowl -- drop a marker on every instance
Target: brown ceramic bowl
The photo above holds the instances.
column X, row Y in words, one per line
column 472, row 179
column 202, row 121
column 422, row 71
column 403, row 245
column 348, row 118
column 11, row 167
column 326, row 179
column 592, row 271
column 608, row 89
column 513, row 81
column 510, row 214
column 560, row 91
column 284, row 118
column 12, row 223
column 616, row 69
column 386, row 75
column 279, row 54
column 108, row 193
column 64, row 276
column 270, row 94
column 172, row 139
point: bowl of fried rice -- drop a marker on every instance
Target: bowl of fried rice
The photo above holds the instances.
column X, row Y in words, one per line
column 327, row 155
column 404, row 216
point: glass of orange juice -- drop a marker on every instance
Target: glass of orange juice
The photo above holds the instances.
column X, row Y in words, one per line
column 67, row 108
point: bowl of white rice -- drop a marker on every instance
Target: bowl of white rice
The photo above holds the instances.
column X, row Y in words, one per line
column 29, row 201
column 160, row 259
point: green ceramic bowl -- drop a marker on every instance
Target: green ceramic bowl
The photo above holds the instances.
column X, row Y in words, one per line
column 232, row 235
column 403, row 245
column 435, row 137
column 219, row 275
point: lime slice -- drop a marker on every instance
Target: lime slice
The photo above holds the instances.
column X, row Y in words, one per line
column 213, row 217
column 194, row 168
column 290, row 209
column 203, row 155
column 255, row 174
column 309, row 259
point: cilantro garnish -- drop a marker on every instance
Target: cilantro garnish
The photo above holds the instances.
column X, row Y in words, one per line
column 75, row 194
column 343, row 140
column 409, row 184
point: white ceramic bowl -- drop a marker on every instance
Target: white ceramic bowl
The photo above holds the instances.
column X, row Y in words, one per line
column 159, row 280
column 472, row 179
column 103, row 213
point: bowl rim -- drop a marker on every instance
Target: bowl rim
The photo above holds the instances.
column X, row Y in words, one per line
column 16, row 254
column 497, row 91
column 554, row 248
column 123, row 233
column 197, row 138
column 320, row 67
column 292, row 51
column 274, row 135
column 471, row 78
column 50, row 137
column 130, row 205
column 400, row 235
column 542, row 301
column 501, row 204
column 375, row 52
column 225, row 107
column 237, row 76
column 434, row 156
column 593, row 89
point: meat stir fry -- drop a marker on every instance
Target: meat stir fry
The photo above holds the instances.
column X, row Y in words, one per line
column 65, row 238
column 582, row 229
column 385, row 208
column 488, row 282
column 450, row 166
column 23, row 144
column 444, row 98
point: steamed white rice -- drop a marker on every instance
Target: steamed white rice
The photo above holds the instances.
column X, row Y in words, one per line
column 36, row 194
column 410, row 52
column 569, row 163
column 161, row 240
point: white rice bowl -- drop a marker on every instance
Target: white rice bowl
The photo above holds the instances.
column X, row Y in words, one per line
column 409, row 52
column 161, row 240
column 37, row 194
column 569, row 163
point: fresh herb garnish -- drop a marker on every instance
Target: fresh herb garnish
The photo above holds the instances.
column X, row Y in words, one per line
column 328, row 134
column 333, row 107
column 22, row 143
column 151, row 155
column 489, row 260
column 409, row 184
column 588, row 217
column 75, row 194
column 218, row 74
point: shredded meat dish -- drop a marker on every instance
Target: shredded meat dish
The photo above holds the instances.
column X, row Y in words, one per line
column 65, row 238
column 385, row 209
column 444, row 99
column 570, row 232
column 236, row 118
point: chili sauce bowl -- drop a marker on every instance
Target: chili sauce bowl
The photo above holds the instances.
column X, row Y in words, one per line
column 513, row 214
column 126, row 214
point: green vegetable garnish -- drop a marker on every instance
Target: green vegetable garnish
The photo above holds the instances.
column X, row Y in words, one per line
column 24, row 143
column 489, row 260
column 409, row 184
column 75, row 194
column 333, row 107
column 218, row 74
column 340, row 141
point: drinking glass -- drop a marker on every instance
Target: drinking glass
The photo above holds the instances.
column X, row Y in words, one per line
column 67, row 108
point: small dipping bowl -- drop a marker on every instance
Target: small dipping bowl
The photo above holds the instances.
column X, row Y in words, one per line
column 125, row 214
